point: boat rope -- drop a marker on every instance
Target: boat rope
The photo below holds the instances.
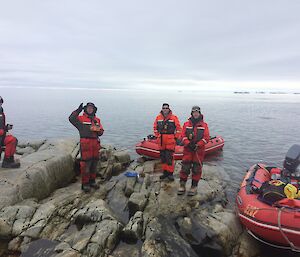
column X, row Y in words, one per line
column 200, row 163
column 293, row 248
column 272, row 209
column 270, row 244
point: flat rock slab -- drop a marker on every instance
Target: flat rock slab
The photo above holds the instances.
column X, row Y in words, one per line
column 40, row 174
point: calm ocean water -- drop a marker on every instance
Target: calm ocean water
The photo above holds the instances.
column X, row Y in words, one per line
column 256, row 127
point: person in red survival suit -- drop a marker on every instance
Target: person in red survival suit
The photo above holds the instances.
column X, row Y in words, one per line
column 195, row 135
column 7, row 140
column 90, row 128
column 168, row 130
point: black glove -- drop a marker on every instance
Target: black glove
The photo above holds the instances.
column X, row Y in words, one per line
column 100, row 133
column 9, row 127
column 80, row 108
column 192, row 146
column 151, row 137
column 178, row 141
column 195, row 147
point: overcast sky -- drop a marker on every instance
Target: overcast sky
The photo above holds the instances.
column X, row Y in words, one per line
column 212, row 44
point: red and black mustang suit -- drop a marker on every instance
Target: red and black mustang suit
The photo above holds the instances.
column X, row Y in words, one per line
column 7, row 140
column 195, row 135
column 89, row 142
column 167, row 129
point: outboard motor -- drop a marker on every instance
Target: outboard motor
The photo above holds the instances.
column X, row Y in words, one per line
column 291, row 165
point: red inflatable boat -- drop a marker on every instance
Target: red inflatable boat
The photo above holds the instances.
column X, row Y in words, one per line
column 278, row 223
column 150, row 147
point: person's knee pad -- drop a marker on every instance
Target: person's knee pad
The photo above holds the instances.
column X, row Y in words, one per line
column 163, row 156
column 186, row 166
column 169, row 157
column 196, row 168
column 93, row 168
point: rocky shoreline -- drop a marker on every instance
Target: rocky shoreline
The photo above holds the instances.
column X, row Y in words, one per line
column 43, row 211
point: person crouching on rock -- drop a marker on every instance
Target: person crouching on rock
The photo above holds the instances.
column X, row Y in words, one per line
column 7, row 140
column 90, row 128
column 168, row 130
column 195, row 135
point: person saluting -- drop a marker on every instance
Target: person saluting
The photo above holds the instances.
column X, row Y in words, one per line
column 90, row 129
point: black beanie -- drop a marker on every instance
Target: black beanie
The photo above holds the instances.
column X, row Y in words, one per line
column 90, row 104
column 195, row 108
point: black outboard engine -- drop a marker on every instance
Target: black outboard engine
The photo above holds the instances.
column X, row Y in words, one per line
column 291, row 163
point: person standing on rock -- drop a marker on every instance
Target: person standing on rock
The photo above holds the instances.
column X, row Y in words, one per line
column 90, row 129
column 168, row 130
column 195, row 135
column 7, row 140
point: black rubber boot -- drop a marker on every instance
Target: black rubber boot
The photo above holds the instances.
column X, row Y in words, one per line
column 164, row 175
column 10, row 163
column 93, row 184
column 170, row 177
column 86, row 188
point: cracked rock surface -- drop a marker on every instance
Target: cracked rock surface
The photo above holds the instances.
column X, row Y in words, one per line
column 128, row 216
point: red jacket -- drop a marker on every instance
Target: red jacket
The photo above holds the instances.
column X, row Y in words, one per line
column 84, row 122
column 167, row 129
column 198, row 133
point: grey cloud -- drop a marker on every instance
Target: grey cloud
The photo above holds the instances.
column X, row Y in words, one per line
column 62, row 43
